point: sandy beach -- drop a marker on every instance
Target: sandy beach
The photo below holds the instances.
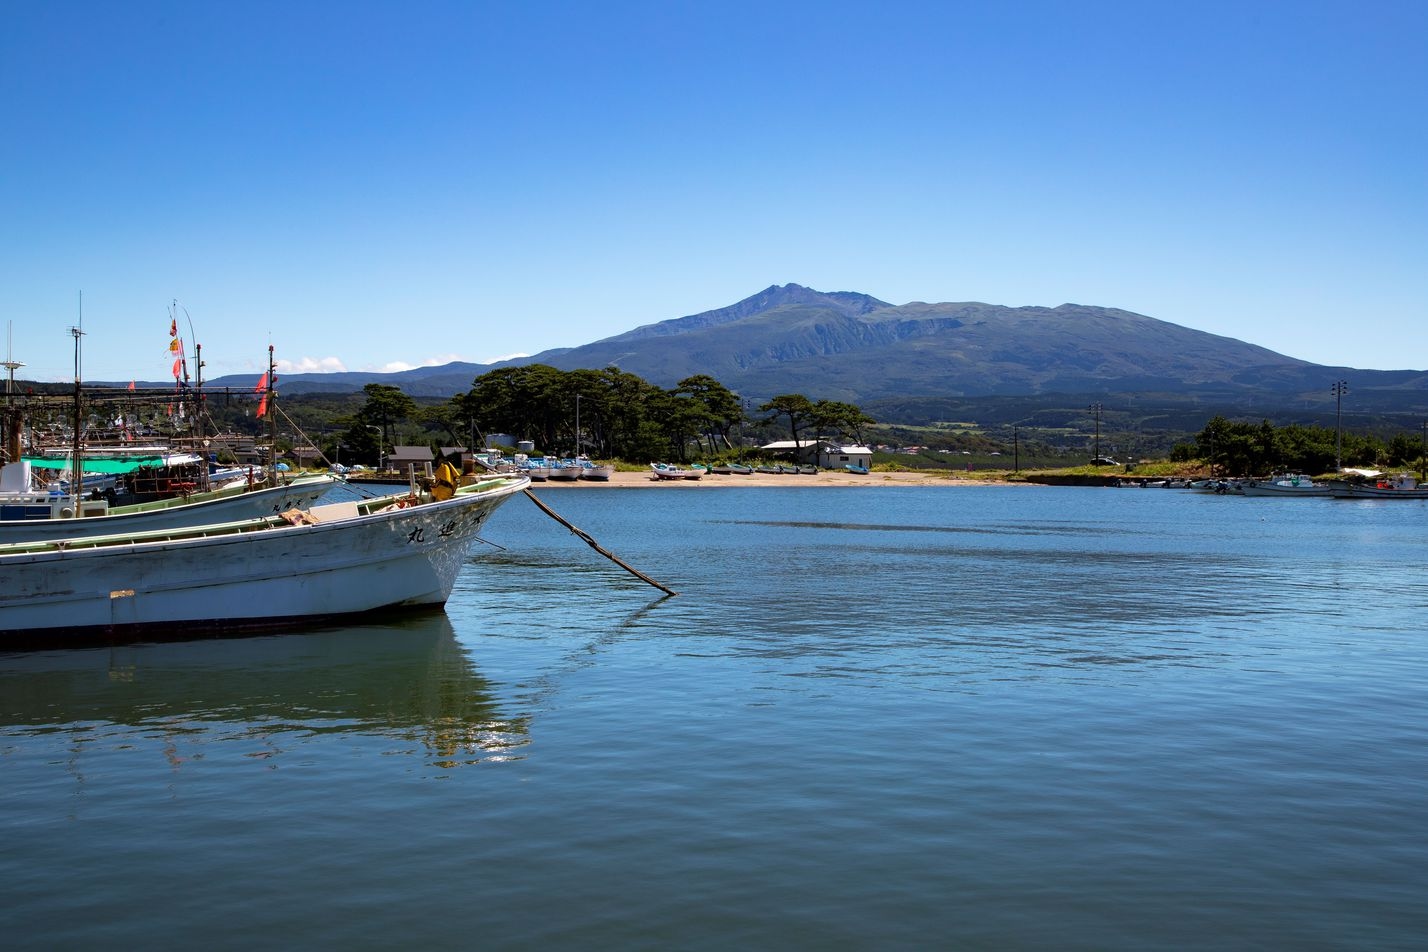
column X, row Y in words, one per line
column 764, row 480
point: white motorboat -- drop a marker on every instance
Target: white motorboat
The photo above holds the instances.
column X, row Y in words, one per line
column 333, row 560
column 670, row 471
column 1285, row 484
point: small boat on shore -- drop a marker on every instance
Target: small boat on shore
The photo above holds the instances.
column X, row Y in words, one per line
column 564, row 470
column 596, row 472
column 331, row 561
column 668, row 471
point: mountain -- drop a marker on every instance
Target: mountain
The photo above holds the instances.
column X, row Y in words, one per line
column 854, row 347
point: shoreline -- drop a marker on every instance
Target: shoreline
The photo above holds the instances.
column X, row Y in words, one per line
column 632, row 479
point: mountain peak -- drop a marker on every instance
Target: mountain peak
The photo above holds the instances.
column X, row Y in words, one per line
column 770, row 298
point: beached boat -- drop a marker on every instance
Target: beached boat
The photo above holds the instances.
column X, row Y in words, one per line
column 40, row 516
column 334, row 560
column 597, row 472
column 1294, row 485
column 536, row 469
column 564, row 470
column 855, row 469
column 1401, row 486
column 670, row 471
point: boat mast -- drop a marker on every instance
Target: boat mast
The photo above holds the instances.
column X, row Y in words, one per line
column 270, row 401
column 13, row 426
column 76, row 480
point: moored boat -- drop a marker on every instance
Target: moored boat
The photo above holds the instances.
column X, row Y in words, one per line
column 1294, row 485
column 335, row 560
column 36, row 517
column 1400, row 486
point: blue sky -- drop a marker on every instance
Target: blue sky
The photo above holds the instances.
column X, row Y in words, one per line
column 378, row 185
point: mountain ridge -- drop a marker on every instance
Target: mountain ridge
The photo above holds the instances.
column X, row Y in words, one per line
column 846, row 345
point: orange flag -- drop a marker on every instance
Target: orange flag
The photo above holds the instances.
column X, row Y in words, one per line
column 177, row 363
column 262, row 382
column 262, row 406
column 131, row 385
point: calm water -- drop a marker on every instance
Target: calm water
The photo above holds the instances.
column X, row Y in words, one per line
column 976, row 718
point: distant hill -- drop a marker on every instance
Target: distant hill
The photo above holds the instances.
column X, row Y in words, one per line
column 853, row 347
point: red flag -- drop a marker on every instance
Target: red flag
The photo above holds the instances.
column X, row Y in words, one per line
column 177, row 363
column 262, row 382
column 173, row 327
column 262, row 406
column 131, row 385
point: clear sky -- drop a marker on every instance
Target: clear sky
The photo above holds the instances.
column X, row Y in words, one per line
column 373, row 186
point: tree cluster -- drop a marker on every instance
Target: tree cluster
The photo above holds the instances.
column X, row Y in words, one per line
column 1245, row 449
column 606, row 414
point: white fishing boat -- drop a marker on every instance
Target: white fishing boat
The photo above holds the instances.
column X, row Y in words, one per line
column 670, row 471
column 596, row 472
column 35, row 516
column 1284, row 485
column 1400, row 486
column 334, row 560
column 564, row 470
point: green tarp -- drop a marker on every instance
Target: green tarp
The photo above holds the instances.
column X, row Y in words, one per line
column 96, row 465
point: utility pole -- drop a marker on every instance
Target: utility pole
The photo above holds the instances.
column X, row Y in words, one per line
column 1016, row 452
column 1339, row 388
column 1095, row 408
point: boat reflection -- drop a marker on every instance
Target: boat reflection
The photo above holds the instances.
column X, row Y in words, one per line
column 409, row 685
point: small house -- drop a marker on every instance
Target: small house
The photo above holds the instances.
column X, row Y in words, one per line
column 823, row 453
column 402, row 458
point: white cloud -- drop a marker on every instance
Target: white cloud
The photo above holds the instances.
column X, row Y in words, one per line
column 439, row 360
column 311, row 365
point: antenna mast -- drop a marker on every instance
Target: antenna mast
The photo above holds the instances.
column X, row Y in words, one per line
column 77, row 472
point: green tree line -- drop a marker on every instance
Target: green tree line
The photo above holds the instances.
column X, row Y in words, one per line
column 1245, row 449
column 606, row 414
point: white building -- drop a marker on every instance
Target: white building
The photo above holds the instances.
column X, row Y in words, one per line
column 823, row 454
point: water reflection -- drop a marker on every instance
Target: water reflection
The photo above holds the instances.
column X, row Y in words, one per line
column 408, row 684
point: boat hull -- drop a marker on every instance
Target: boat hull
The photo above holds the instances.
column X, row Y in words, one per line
column 1349, row 491
column 1284, row 492
column 257, row 574
column 223, row 506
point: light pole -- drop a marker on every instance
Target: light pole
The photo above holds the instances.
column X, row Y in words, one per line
column 1095, row 409
column 381, row 445
column 1339, row 388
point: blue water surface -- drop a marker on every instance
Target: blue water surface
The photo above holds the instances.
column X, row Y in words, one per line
column 887, row 717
